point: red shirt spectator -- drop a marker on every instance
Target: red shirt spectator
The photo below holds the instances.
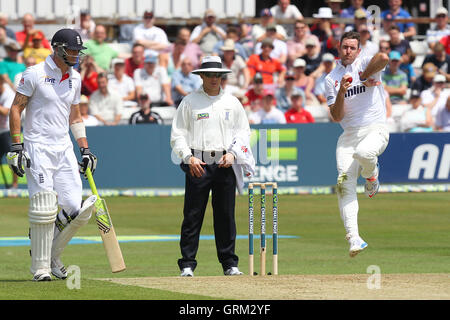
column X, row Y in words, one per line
column 446, row 42
column 28, row 28
column 136, row 61
column 297, row 114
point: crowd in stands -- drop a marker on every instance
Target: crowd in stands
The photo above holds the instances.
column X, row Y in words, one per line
column 278, row 70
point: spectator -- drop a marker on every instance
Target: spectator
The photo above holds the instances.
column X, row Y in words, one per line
column 208, row 33
column 442, row 121
column 153, row 38
column 254, row 95
column 283, row 94
column 145, row 114
column 245, row 37
column 136, row 61
column 154, row 81
column 231, row 89
column 396, row 42
column 279, row 51
column 172, row 60
column 418, row 118
column 259, row 30
column 313, row 56
column 10, row 66
column 285, row 10
column 360, row 17
column 387, row 23
column 336, row 7
column 30, row 61
column 323, row 28
column 28, row 28
column 100, row 50
column 184, row 82
column 297, row 45
column 319, row 76
column 297, row 113
column 268, row 114
column 86, row 27
column 441, row 30
column 88, row 119
column 395, row 80
column 446, row 42
column 240, row 75
column 331, row 45
column 395, row 9
column 435, row 97
column 355, row 6
column 4, row 40
column 440, row 59
column 266, row 65
column 37, row 50
column 304, row 82
column 4, row 23
column 368, row 48
column 385, row 46
column 407, row 67
column 425, row 80
column 232, row 33
column 122, row 84
column 89, row 73
column 106, row 105
column 192, row 50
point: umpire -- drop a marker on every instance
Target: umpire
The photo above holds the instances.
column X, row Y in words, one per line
column 205, row 124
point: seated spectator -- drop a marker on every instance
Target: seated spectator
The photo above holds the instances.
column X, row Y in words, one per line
column 233, row 34
column 259, row 30
column 88, row 119
column 268, row 114
column 184, row 82
column 395, row 81
column 228, row 88
column 283, row 94
column 323, row 28
column 254, row 95
column 331, row 45
column 397, row 12
column 441, row 30
column 154, row 81
column 30, row 61
column 266, row 65
column 320, row 74
column 396, row 42
column 89, row 73
column 192, row 50
column 122, row 84
column 297, row 113
column 145, row 114
column 10, row 66
column 285, row 10
column 4, row 24
column 172, row 60
column 359, row 18
column 37, row 50
column 368, row 48
column 208, row 33
column 442, row 121
column 446, row 42
column 136, row 61
column 407, row 67
column 435, row 97
column 297, row 45
column 153, row 38
column 245, row 37
column 417, row 119
column 425, row 81
column 304, row 82
column 105, row 105
column 28, row 28
column 313, row 56
column 240, row 75
column 356, row 5
column 385, row 46
column 86, row 27
column 4, row 40
column 440, row 59
column 336, row 7
column 279, row 51
column 100, row 50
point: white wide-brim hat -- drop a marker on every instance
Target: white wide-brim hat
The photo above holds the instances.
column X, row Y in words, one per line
column 211, row 64
column 324, row 13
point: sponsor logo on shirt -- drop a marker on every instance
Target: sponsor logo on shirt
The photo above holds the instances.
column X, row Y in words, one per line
column 202, row 116
column 50, row 80
column 355, row 90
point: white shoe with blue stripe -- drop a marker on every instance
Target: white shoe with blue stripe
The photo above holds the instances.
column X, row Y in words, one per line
column 357, row 244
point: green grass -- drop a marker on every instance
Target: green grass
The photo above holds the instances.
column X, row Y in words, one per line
column 406, row 232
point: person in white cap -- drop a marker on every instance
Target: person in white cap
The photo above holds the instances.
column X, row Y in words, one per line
column 441, row 30
column 204, row 127
column 121, row 83
column 435, row 97
column 356, row 99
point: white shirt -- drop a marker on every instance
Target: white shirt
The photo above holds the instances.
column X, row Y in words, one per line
column 362, row 105
column 369, row 49
column 123, row 87
column 91, row 121
column 154, row 33
column 292, row 12
column 207, row 123
column 273, row 116
column 258, row 30
column 6, row 100
column 107, row 107
column 427, row 97
column 152, row 83
column 412, row 118
column 51, row 97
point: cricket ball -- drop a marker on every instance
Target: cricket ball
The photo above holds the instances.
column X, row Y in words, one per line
column 350, row 80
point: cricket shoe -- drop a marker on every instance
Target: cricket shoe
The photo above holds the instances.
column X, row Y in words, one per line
column 41, row 275
column 58, row 269
column 233, row 271
column 357, row 244
column 187, row 272
column 372, row 185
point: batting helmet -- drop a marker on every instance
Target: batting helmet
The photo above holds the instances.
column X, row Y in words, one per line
column 67, row 39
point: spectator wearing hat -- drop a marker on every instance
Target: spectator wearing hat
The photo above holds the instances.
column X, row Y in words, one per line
column 259, row 30
column 136, row 60
column 240, row 75
column 10, row 66
column 313, row 56
column 88, row 119
column 285, row 10
column 28, row 29
column 154, row 81
column 418, row 118
column 85, row 26
column 283, row 94
column 208, row 33
column 319, row 75
column 183, row 81
column 153, row 38
column 440, row 59
column 254, row 95
column 4, row 23
column 4, row 40
column 37, row 50
column 121, row 83
column 442, row 121
column 322, row 29
column 266, row 65
column 350, row 11
column 232, row 34
column 368, row 48
column 145, row 115
column 395, row 80
column 268, row 114
column 296, row 46
column 101, row 51
column 279, row 51
column 435, row 97
column 304, row 82
column 442, row 28
column 425, row 80
column 297, row 112
column 397, row 12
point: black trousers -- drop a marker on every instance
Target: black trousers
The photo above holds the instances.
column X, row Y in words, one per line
column 222, row 183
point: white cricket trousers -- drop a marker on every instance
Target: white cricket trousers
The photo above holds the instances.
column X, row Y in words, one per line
column 357, row 153
column 55, row 168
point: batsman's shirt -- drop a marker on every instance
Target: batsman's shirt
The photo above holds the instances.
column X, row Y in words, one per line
column 51, row 96
column 363, row 105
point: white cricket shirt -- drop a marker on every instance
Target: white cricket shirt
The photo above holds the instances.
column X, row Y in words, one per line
column 207, row 123
column 363, row 105
column 51, row 97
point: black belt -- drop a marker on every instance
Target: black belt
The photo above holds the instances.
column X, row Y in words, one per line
column 207, row 155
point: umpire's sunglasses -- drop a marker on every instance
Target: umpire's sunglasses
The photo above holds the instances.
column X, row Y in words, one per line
column 213, row 74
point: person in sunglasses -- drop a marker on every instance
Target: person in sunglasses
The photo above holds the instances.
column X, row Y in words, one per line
column 210, row 133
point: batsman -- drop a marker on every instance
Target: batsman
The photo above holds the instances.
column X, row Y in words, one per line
column 50, row 93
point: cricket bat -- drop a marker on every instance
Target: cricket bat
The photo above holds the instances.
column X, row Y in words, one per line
column 106, row 228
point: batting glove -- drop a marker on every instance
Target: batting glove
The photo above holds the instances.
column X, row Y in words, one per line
column 88, row 160
column 18, row 158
